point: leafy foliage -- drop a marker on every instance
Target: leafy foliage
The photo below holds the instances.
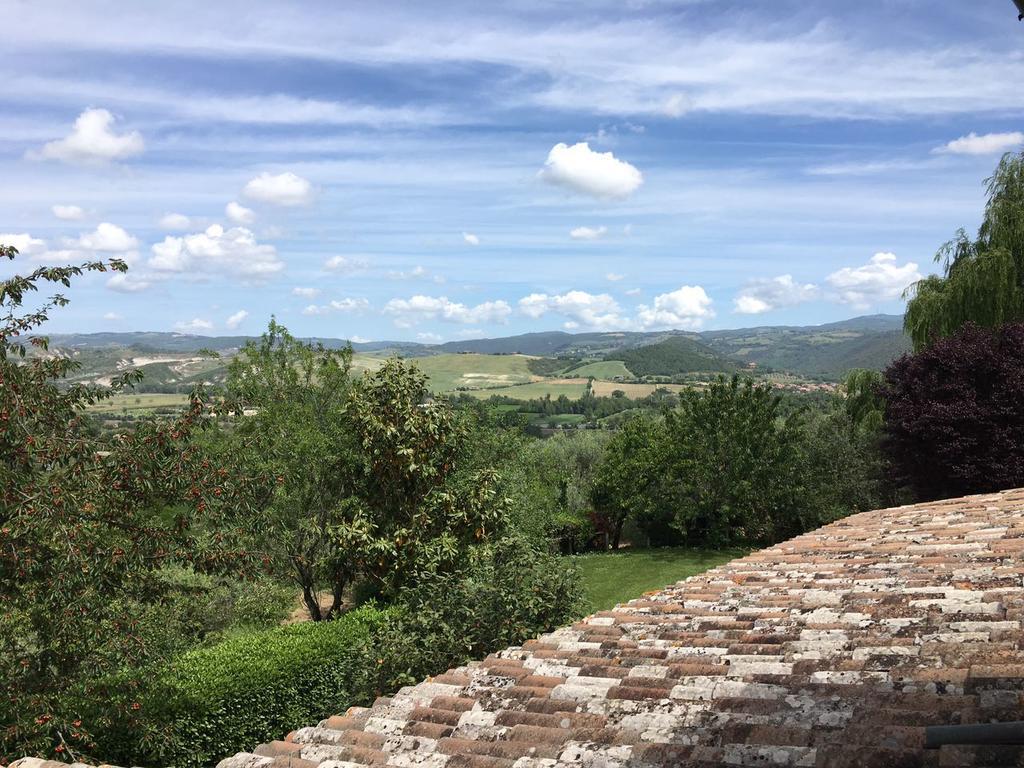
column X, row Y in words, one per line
column 86, row 528
column 954, row 421
column 983, row 280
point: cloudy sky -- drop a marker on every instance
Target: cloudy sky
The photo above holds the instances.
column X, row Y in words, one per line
column 428, row 171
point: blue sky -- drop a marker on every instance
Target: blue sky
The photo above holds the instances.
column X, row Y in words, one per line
column 435, row 171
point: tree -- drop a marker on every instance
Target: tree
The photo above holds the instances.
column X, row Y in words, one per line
column 361, row 473
column 983, row 280
column 732, row 467
column 412, row 516
column 630, row 474
column 86, row 526
column 289, row 408
column 954, row 414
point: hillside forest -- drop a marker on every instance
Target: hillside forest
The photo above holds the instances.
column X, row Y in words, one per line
column 298, row 526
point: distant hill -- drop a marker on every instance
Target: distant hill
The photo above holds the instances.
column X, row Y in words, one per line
column 822, row 351
column 825, row 351
column 672, row 356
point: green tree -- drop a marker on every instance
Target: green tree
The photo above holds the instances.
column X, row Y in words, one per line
column 412, row 516
column 289, row 406
column 630, row 474
column 732, row 467
column 87, row 527
column 983, row 278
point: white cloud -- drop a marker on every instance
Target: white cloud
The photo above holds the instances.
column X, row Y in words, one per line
column 359, row 340
column 236, row 319
column 415, row 273
column 408, row 312
column 306, row 293
column 583, row 310
column 25, row 243
column 175, row 221
column 232, row 251
column 598, row 174
column 470, row 238
column 342, row 305
column 986, row 144
column 195, row 325
column 613, row 277
column 634, row 292
column 677, row 105
column 239, row 214
column 112, row 317
column 430, row 338
column 106, row 237
column 588, row 233
column 345, row 265
column 68, row 212
column 881, row 279
column 766, row 294
column 92, row 141
column 686, row 308
column 127, row 283
column 280, row 189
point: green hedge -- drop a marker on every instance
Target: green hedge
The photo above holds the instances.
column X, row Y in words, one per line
column 244, row 691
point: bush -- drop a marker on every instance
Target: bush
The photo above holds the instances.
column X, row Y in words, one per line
column 256, row 687
column 954, row 415
column 213, row 702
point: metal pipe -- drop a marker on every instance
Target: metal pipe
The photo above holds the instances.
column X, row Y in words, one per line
column 980, row 733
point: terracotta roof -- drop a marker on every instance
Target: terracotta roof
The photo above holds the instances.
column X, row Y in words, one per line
column 836, row 648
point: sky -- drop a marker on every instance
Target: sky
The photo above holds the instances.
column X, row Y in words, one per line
column 453, row 169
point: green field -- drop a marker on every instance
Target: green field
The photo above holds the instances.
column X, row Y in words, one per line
column 138, row 402
column 610, row 578
column 571, row 389
column 452, row 372
column 601, row 369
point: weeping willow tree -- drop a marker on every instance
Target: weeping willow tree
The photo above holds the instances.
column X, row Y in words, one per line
column 984, row 278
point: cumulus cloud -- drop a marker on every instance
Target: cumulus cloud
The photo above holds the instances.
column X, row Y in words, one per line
column 342, row 305
column 583, row 310
column 766, row 294
column 345, row 265
column 107, row 237
column 236, row 319
column 128, row 283
column 881, row 279
column 25, row 243
column 195, row 325
column 286, row 189
column 588, row 233
column 613, row 277
column 175, row 221
column 985, row 144
column 306, row 293
column 239, row 214
column 112, row 317
column 687, row 308
column 232, row 251
column 470, row 238
column 92, row 141
column 68, row 212
column 408, row 312
column 597, row 174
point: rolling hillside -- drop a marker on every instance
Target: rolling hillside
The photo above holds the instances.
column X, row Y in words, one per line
column 672, row 356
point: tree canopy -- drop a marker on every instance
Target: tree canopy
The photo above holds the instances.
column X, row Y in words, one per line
column 983, row 278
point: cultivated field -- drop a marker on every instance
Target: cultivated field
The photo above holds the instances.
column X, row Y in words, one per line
column 449, row 373
column 140, row 402
column 605, row 388
column 604, row 369
column 573, row 389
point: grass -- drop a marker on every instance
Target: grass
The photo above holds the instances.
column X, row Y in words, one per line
column 572, row 389
column 138, row 402
column 610, row 578
column 451, row 372
column 602, row 369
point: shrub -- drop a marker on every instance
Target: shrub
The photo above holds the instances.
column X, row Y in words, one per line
column 954, row 415
column 216, row 701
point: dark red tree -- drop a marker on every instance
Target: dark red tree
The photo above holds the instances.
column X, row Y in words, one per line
column 954, row 415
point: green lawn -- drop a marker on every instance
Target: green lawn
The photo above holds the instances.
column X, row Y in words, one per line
column 610, row 578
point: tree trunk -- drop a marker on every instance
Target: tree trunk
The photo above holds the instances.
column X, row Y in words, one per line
column 312, row 604
column 617, row 535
